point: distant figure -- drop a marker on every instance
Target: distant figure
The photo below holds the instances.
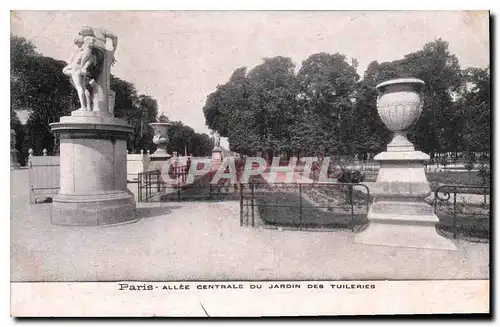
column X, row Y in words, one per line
column 188, row 164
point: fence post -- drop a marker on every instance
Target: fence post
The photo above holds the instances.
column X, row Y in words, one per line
column 241, row 204
column 139, row 197
column 148, row 187
column 435, row 199
column 455, row 212
column 300, row 206
column 484, row 195
column 30, row 153
column 158, row 181
column 44, row 152
column 367, row 199
column 253, row 206
column 352, row 205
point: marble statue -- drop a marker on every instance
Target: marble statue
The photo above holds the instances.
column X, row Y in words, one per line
column 89, row 69
column 216, row 137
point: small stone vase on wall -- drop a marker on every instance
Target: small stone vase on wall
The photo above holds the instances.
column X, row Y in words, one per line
column 160, row 137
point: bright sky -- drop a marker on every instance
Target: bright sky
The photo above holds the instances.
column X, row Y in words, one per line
column 180, row 57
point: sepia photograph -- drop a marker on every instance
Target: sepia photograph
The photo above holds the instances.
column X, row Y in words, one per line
column 216, row 152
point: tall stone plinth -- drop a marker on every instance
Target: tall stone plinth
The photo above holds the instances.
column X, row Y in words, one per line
column 93, row 159
column 399, row 215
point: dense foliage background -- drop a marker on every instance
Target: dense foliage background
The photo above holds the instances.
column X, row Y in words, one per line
column 327, row 108
column 322, row 108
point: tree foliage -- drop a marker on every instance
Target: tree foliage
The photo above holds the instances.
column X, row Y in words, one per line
column 325, row 108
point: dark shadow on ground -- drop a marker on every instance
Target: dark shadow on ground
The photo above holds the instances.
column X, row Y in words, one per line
column 192, row 193
column 469, row 228
column 148, row 212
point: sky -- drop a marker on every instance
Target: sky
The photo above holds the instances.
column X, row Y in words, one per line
column 179, row 57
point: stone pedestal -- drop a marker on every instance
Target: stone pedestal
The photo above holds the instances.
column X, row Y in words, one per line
column 216, row 158
column 217, row 154
column 157, row 160
column 399, row 215
column 93, row 156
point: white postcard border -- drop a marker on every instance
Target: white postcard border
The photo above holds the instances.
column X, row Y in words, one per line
column 239, row 299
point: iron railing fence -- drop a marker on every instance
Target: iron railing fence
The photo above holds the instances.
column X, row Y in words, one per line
column 152, row 187
column 151, row 183
column 297, row 205
column 463, row 209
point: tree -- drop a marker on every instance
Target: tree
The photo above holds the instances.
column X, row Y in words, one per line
column 254, row 109
column 38, row 85
column 326, row 109
column 225, row 101
column 18, row 128
column 327, row 89
column 145, row 110
column 372, row 134
column 476, row 110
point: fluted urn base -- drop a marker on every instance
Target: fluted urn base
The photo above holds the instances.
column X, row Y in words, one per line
column 400, row 216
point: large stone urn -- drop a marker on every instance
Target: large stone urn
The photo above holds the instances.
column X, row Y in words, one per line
column 160, row 138
column 399, row 215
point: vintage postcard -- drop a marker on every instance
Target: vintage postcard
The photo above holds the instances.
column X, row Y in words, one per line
column 249, row 163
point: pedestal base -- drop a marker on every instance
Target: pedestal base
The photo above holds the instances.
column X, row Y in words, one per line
column 404, row 235
column 406, row 223
column 399, row 215
column 156, row 161
column 217, row 154
column 93, row 210
column 93, row 160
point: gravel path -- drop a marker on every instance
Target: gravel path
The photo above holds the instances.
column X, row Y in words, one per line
column 203, row 241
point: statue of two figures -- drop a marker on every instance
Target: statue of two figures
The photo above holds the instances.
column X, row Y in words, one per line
column 89, row 69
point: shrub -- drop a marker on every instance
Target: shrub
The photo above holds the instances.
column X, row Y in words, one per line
column 443, row 161
column 351, row 176
column 484, row 173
